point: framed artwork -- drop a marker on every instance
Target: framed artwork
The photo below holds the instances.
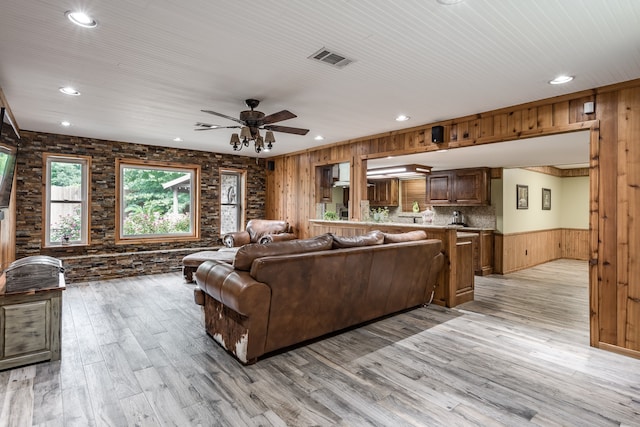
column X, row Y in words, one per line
column 522, row 196
column 546, row 199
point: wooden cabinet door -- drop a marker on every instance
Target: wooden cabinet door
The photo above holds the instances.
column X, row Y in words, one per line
column 383, row 192
column 439, row 188
column 326, row 183
column 464, row 270
column 470, row 187
column 485, row 253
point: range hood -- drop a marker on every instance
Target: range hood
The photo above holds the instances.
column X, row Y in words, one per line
column 341, row 171
column 400, row 171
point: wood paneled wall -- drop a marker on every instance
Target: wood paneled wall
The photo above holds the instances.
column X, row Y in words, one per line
column 614, row 178
column 518, row 251
column 575, row 244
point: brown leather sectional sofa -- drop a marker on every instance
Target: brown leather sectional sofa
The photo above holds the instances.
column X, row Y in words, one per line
column 284, row 293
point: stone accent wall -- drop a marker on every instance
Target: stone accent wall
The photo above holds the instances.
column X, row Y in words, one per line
column 103, row 258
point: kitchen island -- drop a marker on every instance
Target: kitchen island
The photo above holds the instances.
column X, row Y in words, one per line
column 460, row 246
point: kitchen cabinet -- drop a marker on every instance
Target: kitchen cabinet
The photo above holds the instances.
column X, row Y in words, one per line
column 484, row 255
column 383, row 192
column 324, row 178
column 459, row 187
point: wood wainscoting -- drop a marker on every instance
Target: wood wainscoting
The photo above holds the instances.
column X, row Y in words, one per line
column 518, row 251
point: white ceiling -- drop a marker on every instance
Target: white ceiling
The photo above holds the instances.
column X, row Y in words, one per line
column 150, row 66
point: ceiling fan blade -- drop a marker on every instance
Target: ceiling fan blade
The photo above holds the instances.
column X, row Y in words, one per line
column 223, row 115
column 278, row 117
column 287, row 129
column 205, row 126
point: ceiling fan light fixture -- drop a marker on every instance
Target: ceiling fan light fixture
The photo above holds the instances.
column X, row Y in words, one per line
column 235, row 141
column 269, row 138
column 245, row 134
column 259, row 144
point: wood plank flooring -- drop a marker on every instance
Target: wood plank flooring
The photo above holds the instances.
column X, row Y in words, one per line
column 134, row 352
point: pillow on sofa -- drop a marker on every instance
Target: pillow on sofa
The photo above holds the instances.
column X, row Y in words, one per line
column 405, row 237
column 374, row 237
column 247, row 253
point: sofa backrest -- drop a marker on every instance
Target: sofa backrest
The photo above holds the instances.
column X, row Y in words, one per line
column 261, row 227
column 248, row 253
column 313, row 294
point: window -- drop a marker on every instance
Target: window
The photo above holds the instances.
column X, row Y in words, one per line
column 231, row 201
column 66, row 219
column 157, row 201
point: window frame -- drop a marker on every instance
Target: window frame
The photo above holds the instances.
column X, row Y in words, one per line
column 85, row 202
column 122, row 164
column 242, row 175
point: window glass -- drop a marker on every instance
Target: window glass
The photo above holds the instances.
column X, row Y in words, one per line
column 67, row 194
column 157, row 200
column 231, row 198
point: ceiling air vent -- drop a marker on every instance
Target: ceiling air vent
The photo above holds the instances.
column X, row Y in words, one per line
column 331, row 58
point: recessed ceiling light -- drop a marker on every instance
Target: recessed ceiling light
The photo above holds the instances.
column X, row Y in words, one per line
column 319, row 138
column 402, row 118
column 442, row 151
column 177, row 139
column 560, row 80
column 65, row 123
column 81, row 19
column 449, row 2
column 68, row 90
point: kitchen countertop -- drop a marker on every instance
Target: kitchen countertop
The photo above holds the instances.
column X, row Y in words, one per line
column 399, row 224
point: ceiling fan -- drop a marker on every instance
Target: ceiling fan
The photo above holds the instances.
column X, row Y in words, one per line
column 251, row 122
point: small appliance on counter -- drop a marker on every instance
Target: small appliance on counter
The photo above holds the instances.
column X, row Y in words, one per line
column 457, row 219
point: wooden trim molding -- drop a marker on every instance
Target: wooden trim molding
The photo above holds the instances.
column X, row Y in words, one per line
column 561, row 173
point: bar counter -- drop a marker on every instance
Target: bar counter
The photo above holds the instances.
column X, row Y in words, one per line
column 456, row 281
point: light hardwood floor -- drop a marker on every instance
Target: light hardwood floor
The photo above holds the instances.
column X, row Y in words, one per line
column 135, row 353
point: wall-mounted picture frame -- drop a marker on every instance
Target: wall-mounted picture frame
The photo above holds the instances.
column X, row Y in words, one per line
column 522, row 196
column 546, row 199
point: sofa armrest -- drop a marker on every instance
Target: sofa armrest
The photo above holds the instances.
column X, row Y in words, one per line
column 236, row 309
column 236, row 239
column 280, row 237
column 198, row 295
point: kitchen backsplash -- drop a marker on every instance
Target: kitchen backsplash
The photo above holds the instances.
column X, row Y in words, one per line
column 473, row 216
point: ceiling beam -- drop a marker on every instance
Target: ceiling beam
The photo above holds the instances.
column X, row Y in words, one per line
column 8, row 113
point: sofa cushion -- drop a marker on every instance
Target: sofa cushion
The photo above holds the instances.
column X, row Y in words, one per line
column 405, row 237
column 374, row 237
column 247, row 253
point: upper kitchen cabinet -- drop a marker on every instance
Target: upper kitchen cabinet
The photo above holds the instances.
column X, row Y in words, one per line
column 383, row 192
column 459, row 187
column 324, row 183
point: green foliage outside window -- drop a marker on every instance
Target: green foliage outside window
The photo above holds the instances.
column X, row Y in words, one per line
column 68, row 225
column 149, row 207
